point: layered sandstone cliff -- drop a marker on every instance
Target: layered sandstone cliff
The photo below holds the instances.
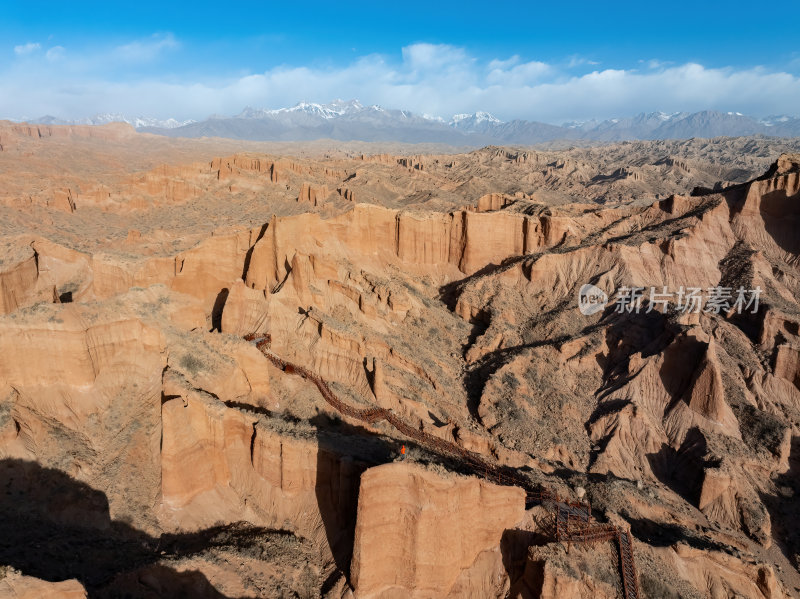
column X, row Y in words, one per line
column 421, row 535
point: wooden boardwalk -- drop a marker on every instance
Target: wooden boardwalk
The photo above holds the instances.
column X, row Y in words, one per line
column 573, row 520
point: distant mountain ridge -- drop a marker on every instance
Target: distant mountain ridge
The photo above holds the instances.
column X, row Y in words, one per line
column 350, row 120
column 139, row 122
column 644, row 126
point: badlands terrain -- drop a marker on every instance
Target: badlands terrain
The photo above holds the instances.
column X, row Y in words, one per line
column 147, row 449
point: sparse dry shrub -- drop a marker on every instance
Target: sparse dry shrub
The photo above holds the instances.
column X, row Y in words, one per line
column 192, row 363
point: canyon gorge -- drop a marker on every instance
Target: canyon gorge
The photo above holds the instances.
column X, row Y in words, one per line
column 148, row 449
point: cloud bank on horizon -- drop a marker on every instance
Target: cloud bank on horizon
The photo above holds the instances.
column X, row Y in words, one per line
column 136, row 78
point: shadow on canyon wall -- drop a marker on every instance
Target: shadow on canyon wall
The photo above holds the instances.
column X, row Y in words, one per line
column 56, row 528
column 345, row 451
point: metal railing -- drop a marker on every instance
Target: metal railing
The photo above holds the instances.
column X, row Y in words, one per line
column 573, row 520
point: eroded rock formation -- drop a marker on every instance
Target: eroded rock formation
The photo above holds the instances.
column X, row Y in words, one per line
column 421, row 535
column 122, row 369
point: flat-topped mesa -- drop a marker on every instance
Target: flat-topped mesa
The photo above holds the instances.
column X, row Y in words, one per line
column 335, row 173
column 313, row 194
column 493, row 201
column 451, row 244
column 110, row 131
column 379, row 158
column 445, row 245
column 675, row 163
column 412, row 162
column 409, row 162
column 203, row 271
column 231, row 165
column 278, row 170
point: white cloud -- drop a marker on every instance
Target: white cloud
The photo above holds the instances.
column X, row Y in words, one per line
column 55, row 53
column 504, row 64
column 578, row 61
column 28, row 48
column 436, row 79
column 432, row 57
column 147, row 50
column 657, row 64
column 519, row 74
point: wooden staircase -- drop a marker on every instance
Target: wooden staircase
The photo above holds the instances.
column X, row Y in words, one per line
column 573, row 520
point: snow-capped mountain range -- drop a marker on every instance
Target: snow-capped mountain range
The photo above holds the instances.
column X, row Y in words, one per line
column 335, row 109
column 351, row 120
column 101, row 119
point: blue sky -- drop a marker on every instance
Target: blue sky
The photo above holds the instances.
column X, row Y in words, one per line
column 540, row 61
